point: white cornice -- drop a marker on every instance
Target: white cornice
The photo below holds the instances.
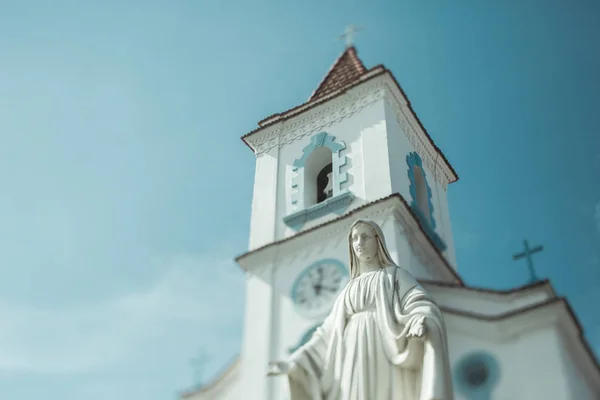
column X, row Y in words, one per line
column 316, row 118
column 380, row 211
column 532, row 293
column 279, row 117
column 338, row 108
column 500, row 327
column 318, row 235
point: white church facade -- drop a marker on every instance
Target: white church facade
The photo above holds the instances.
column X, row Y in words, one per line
column 356, row 149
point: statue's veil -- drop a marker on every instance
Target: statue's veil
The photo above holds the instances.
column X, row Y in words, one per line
column 384, row 256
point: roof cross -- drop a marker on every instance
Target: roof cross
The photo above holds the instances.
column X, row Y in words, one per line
column 198, row 363
column 349, row 33
column 527, row 253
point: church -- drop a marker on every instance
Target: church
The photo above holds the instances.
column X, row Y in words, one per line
column 357, row 149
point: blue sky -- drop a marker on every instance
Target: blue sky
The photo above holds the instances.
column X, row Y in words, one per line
column 126, row 192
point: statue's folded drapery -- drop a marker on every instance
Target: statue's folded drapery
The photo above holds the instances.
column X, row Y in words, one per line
column 362, row 352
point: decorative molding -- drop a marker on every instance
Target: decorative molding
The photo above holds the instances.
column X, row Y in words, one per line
column 418, row 140
column 321, row 139
column 476, row 375
column 319, row 118
column 337, row 204
column 330, row 112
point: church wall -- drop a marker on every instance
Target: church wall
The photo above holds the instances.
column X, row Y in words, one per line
column 538, row 355
column 529, row 364
column 256, row 345
column 486, row 304
column 375, row 157
column 290, row 325
column 577, row 385
column 404, row 255
column 375, row 152
column 462, row 346
column 399, row 148
column 401, row 251
column 263, row 218
column 362, row 133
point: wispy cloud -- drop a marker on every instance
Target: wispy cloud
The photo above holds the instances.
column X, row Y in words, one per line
column 198, row 300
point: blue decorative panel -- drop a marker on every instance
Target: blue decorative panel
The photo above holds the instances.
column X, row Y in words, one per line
column 429, row 231
column 316, row 141
column 428, row 222
column 476, row 375
column 305, row 338
column 321, row 139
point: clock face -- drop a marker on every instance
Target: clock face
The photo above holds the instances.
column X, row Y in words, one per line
column 318, row 286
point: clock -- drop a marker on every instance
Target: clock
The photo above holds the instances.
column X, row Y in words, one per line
column 317, row 287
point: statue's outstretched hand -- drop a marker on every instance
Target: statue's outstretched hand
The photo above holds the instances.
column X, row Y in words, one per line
column 276, row 368
column 417, row 328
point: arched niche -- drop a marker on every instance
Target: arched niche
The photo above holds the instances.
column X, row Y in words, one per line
column 318, row 176
column 311, row 170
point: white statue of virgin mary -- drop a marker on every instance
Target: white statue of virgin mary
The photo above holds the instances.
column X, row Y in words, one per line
column 385, row 338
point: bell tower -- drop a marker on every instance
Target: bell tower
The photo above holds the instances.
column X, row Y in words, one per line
column 354, row 149
column 358, row 137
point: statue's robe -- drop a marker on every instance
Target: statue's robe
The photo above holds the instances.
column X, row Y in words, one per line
column 362, row 352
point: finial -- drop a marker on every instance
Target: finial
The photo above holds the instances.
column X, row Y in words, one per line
column 349, row 33
column 527, row 253
column 198, row 365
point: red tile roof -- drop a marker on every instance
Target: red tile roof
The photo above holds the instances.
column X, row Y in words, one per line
column 346, row 69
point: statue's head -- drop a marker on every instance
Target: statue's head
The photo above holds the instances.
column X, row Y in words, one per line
column 367, row 245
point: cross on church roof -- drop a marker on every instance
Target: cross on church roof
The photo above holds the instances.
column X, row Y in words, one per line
column 527, row 253
column 349, row 34
column 198, row 363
